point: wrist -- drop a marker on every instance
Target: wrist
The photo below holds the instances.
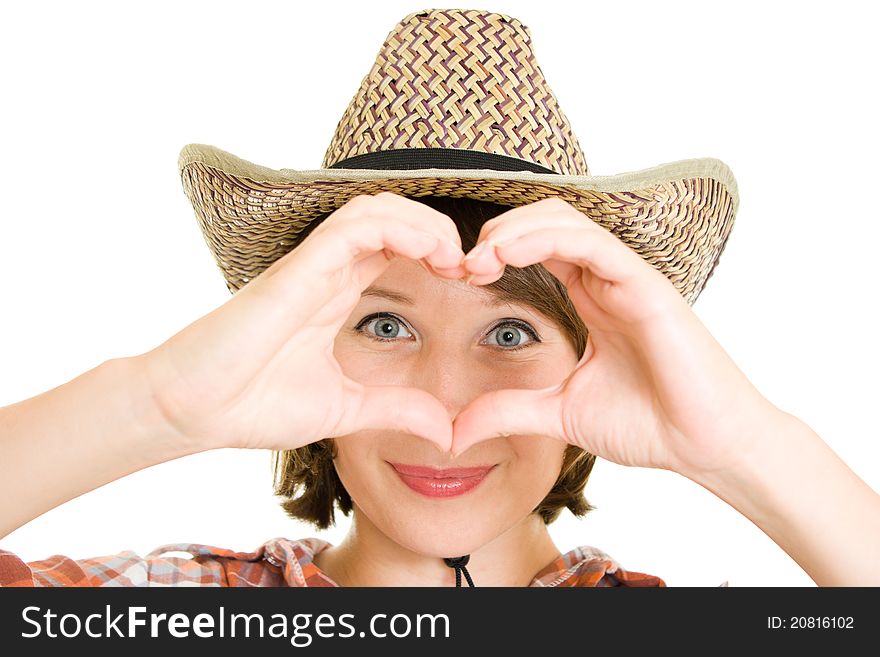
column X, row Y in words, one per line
column 755, row 481
column 80, row 435
column 795, row 489
column 153, row 431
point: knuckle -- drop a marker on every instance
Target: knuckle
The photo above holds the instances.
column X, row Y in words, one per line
column 555, row 201
column 556, row 204
column 354, row 200
column 450, row 228
column 487, row 227
column 360, row 201
column 356, row 207
column 385, row 197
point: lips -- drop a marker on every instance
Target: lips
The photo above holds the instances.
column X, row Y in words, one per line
column 448, row 482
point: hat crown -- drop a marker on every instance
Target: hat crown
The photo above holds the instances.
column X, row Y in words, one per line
column 462, row 79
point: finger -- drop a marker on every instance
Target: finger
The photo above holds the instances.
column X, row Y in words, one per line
column 365, row 212
column 370, row 266
column 364, row 233
column 383, row 205
column 455, row 273
column 278, row 303
column 524, row 217
column 418, row 215
column 599, row 250
column 396, row 408
column 420, row 211
column 483, row 259
column 551, row 212
column 383, row 256
column 584, row 289
column 260, row 319
column 565, row 272
column 506, row 413
column 338, row 248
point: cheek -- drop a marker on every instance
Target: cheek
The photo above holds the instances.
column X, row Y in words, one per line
column 354, row 463
column 537, row 465
column 367, row 364
column 364, row 474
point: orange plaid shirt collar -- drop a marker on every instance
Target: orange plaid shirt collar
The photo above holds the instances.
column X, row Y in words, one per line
column 277, row 562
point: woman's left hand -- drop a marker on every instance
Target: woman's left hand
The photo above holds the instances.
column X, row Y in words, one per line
column 653, row 388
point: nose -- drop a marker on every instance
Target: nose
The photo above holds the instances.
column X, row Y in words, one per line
column 452, row 376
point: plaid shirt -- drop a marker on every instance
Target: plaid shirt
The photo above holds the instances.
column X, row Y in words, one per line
column 278, row 562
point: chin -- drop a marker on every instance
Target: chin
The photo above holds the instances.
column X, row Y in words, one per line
column 441, row 540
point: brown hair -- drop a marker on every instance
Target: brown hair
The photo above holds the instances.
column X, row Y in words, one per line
column 309, row 470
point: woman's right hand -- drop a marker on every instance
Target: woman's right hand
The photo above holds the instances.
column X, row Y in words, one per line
column 259, row 371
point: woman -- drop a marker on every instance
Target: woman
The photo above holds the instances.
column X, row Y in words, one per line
column 325, row 343
column 463, row 417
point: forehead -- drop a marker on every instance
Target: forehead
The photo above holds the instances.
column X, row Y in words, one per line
column 414, row 298
column 406, row 283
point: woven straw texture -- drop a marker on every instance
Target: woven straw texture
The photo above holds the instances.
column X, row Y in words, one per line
column 464, row 79
column 458, row 79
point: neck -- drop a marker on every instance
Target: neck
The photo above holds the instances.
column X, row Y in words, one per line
column 367, row 557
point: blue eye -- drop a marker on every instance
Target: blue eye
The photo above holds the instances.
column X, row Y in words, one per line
column 388, row 326
column 509, row 330
column 385, row 327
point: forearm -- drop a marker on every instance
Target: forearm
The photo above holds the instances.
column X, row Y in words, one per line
column 809, row 502
column 76, row 437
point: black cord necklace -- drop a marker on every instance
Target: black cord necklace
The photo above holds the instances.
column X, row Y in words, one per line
column 459, row 564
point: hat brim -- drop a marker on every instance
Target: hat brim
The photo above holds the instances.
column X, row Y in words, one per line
column 677, row 215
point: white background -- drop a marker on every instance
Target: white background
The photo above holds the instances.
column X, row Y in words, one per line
column 102, row 256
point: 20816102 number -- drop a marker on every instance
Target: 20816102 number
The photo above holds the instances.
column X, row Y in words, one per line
column 810, row 623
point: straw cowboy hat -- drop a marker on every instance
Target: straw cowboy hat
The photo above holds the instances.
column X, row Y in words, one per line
column 456, row 105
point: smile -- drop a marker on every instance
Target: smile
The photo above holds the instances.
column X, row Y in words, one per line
column 450, row 482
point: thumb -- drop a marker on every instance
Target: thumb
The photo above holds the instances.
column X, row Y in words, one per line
column 509, row 412
column 397, row 408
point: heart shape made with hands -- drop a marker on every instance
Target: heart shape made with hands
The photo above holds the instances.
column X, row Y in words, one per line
column 608, row 283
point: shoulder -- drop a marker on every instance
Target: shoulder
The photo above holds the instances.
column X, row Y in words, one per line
column 121, row 569
column 586, row 565
column 277, row 562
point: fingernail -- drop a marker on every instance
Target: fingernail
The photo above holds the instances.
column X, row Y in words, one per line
column 476, row 251
column 469, row 278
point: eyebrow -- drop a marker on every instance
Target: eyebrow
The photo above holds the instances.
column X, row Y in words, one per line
column 398, row 297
